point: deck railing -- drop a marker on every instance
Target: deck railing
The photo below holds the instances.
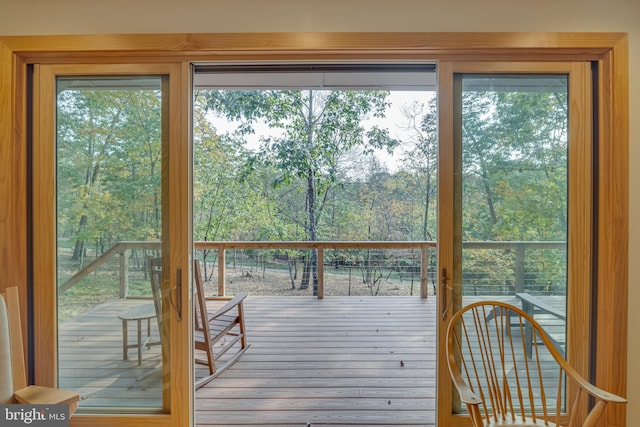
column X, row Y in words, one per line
column 320, row 248
column 510, row 267
column 476, row 280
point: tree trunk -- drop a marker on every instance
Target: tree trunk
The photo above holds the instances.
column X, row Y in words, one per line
column 425, row 223
column 489, row 194
column 78, row 249
column 292, row 272
column 312, row 268
column 91, row 176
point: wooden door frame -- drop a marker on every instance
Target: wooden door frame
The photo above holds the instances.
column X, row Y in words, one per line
column 579, row 204
column 176, row 183
column 608, row 50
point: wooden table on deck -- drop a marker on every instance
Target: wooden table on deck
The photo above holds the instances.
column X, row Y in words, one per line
column 533, row 305
column 137, row 313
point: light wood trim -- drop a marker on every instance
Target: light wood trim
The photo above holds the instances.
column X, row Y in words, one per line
column 12, row 301
column 609, row 49
column 446, row 227
column 44, row 228
column 437, row 45
column 168, row 266
column 181, row 241
column 19, row 200
column 515, row 67
column 13, row 183
column 11, row 229
column 580, row 226
column 613, row 226
column 120, row 420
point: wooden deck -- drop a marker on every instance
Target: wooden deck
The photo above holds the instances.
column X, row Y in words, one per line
column 91, row 362
column 339, row 361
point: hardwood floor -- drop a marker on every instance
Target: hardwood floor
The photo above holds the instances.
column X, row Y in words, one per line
column 340, row 361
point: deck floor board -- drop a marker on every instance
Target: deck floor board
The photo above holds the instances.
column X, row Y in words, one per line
column 336, row 361
column 339, row 361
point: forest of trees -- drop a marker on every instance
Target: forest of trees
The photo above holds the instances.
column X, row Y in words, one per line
column 314, row 175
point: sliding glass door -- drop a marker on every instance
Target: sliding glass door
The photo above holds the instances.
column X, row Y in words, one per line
column 520, row 167
column 109, row 251
column 548, row 159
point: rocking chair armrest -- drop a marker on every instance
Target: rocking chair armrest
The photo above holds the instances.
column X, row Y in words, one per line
column 237, row 300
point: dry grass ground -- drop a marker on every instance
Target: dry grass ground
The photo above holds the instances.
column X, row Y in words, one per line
column 340, row 282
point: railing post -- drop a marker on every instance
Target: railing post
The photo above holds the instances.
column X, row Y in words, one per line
column 424, row 270
column 124, row 273
column 520, row 248
column 221, row 270
column 320, row 270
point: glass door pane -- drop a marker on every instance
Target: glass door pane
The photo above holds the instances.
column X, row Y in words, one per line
column 514, row 195
column 112, row 328
column 514, row 189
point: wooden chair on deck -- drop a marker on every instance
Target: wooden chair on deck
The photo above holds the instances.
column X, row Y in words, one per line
column 155, row 277
column 218, row 332
column 503, row 383
column 13, row 377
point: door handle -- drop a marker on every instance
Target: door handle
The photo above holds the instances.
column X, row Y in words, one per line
column 177, row 306
column 443, row 293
